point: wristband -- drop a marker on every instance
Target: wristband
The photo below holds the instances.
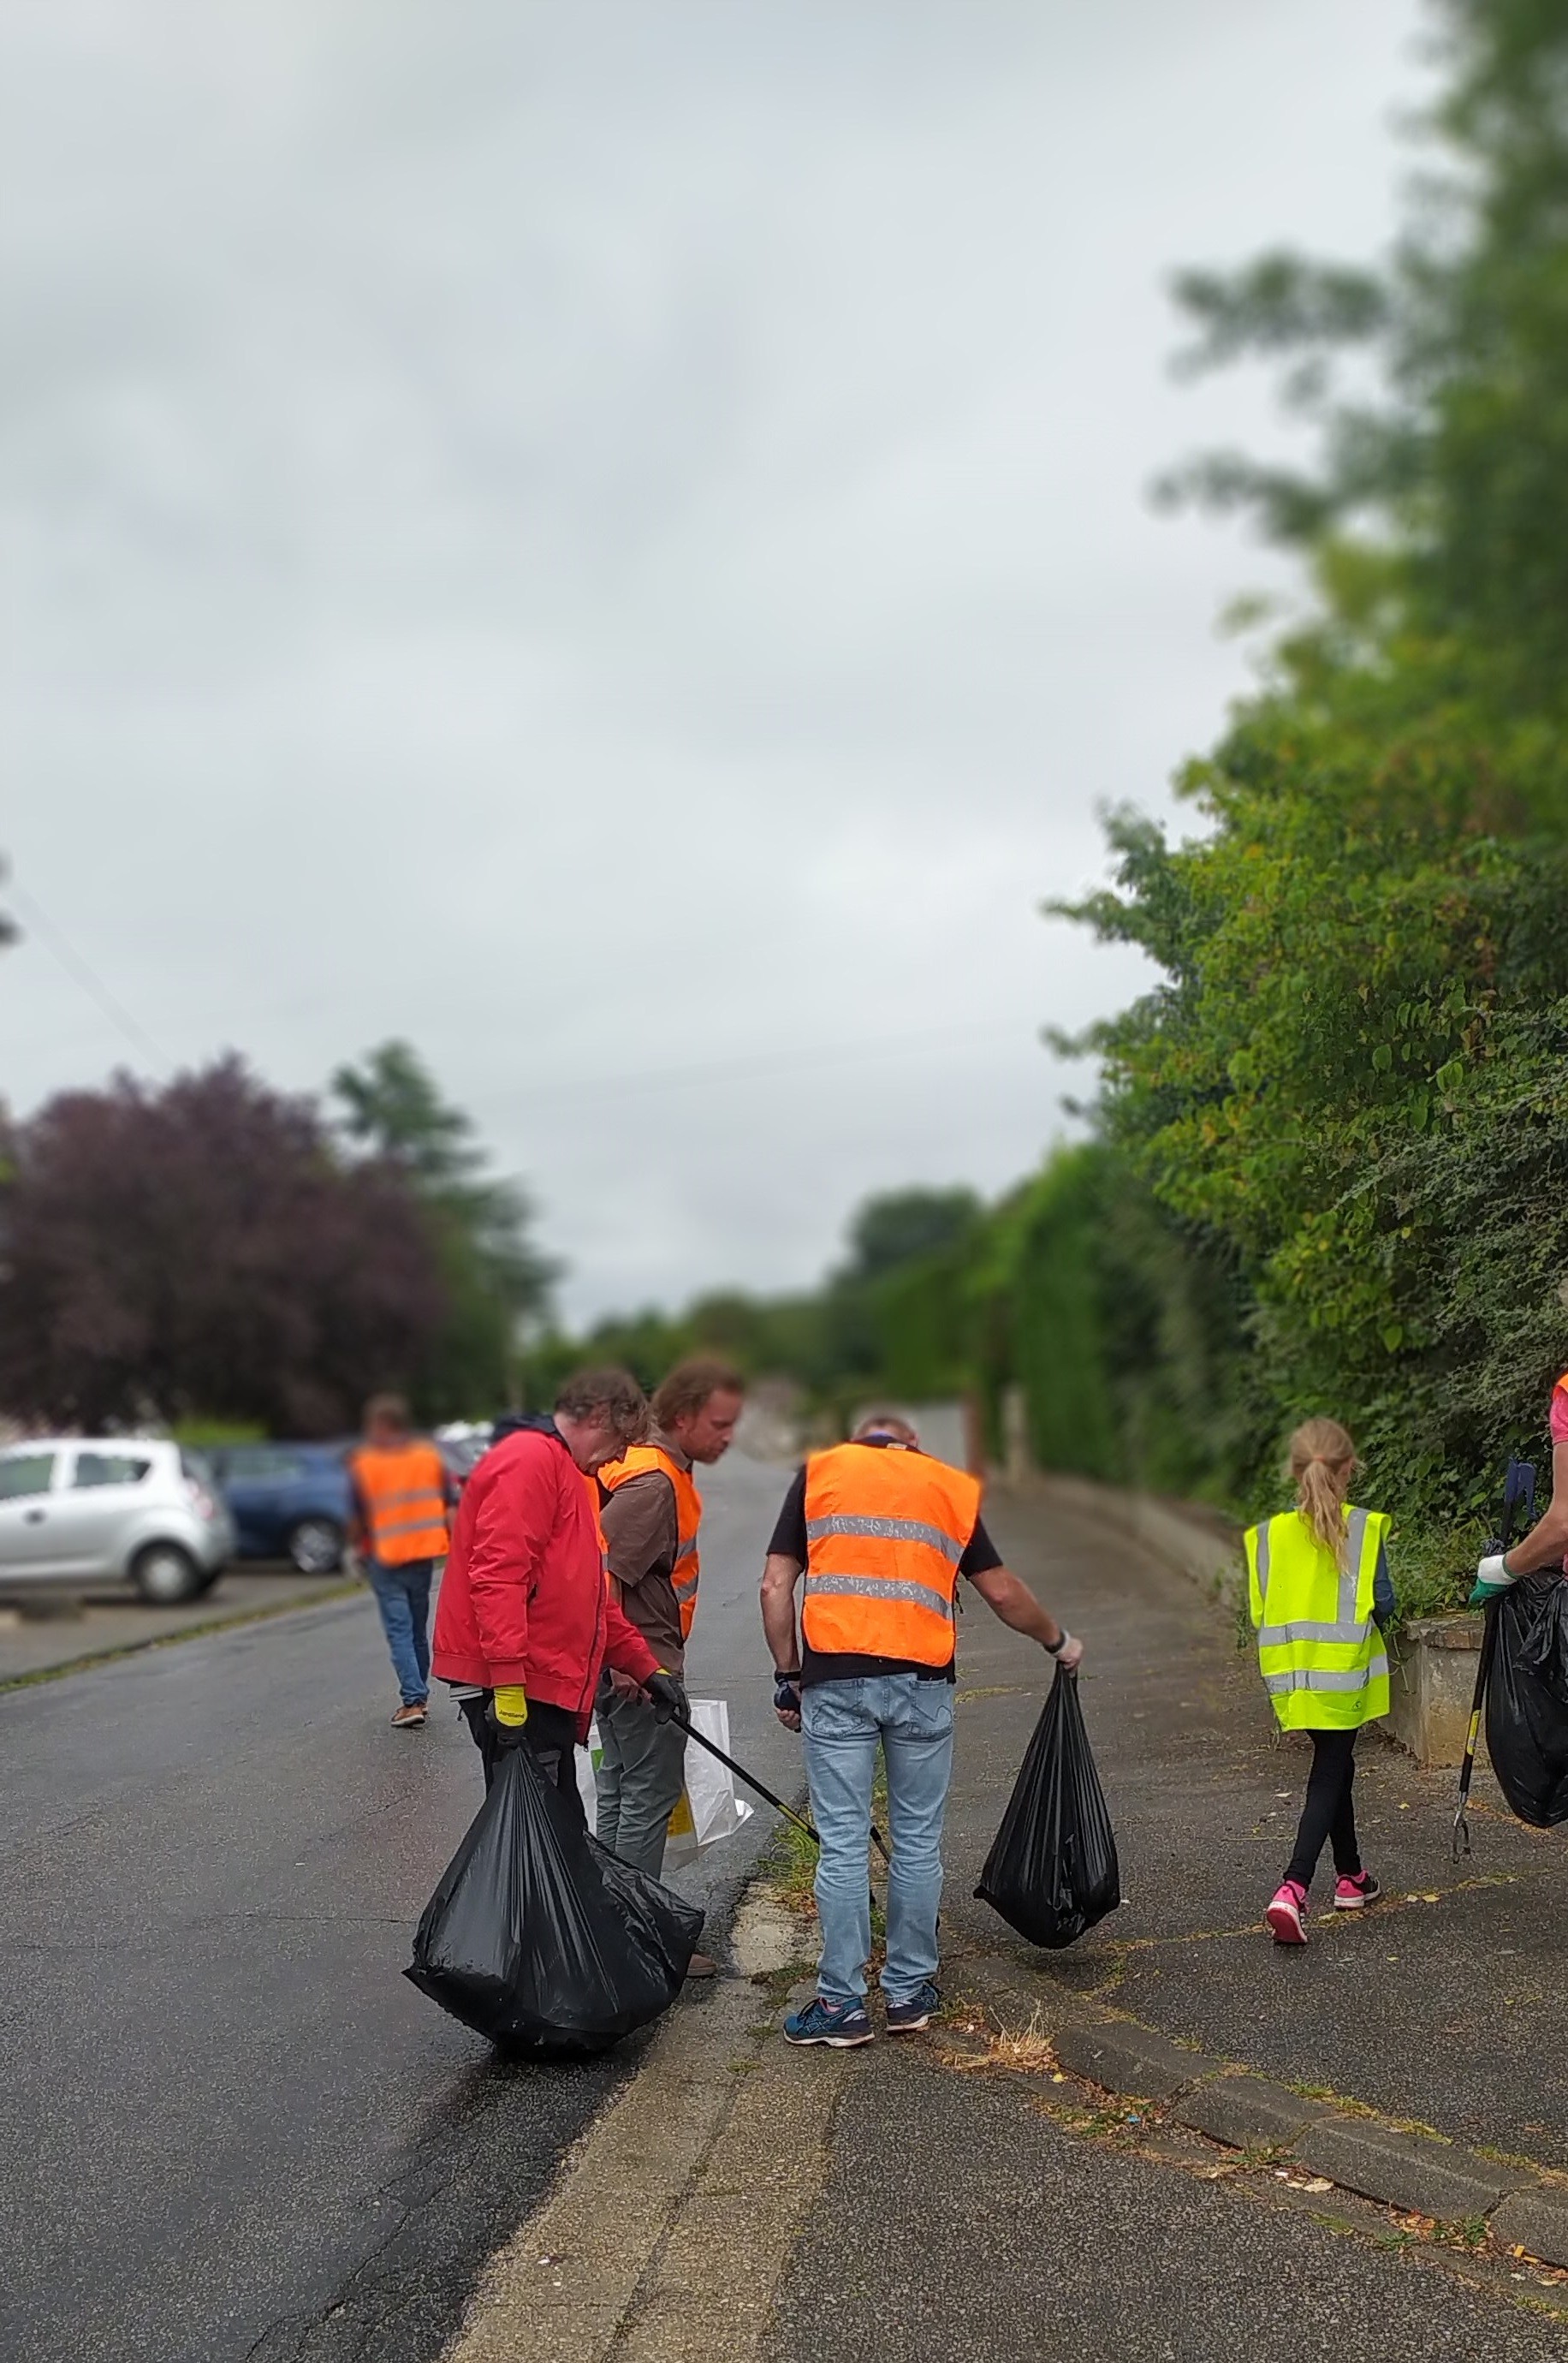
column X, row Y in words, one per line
column 1055, row 1648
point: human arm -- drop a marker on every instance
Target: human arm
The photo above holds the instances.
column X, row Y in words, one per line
column 1013, row 1602
column 515, row 1517
column 624, row 1647
column 1547, row 1541
column 1385, row 1607
column 780, row 1574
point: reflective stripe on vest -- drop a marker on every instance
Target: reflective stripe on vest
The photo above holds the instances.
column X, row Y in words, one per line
column 404, row 1495
column 637, row 1460
column 885, row 1531
column 1319, row 1652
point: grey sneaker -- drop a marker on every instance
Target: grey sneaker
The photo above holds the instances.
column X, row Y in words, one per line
column 909, row 2017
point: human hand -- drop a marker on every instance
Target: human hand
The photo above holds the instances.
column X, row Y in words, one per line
column 622, row 1685
column 1492, row 1580
column 508, row 1715
column 786, row 1700
column 667, row 1695
column 1070, row 1654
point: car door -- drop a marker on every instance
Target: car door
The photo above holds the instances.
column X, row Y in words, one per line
column 98, row 1494
column 254, row 1477
column 27, row 1500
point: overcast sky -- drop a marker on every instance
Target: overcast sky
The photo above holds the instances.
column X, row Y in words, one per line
column 608, row 537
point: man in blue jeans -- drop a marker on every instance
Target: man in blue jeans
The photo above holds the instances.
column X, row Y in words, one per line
column 881, row 1532
column 401, row 1494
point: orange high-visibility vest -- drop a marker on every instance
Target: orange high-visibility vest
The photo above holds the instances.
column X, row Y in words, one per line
column 404, row 1493
column 885, row 1531
column 637, row 1461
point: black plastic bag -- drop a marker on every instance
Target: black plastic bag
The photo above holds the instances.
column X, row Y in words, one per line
column 539, row 1939
column 1052, row 1871
column 1527, row 1699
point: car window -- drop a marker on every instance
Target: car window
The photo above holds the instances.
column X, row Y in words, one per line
column 109, row 1469
column 262, row 1465
column 25, row 1473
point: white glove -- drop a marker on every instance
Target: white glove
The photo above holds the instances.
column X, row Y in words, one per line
column 1491, row 1577
column 1070, row 1653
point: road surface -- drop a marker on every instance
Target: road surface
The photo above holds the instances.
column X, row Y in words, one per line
column 233, row 2130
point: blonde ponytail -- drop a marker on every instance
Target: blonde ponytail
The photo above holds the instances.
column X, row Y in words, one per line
column 1322, row 1462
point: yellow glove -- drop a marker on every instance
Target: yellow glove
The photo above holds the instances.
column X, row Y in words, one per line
column 511, row 1704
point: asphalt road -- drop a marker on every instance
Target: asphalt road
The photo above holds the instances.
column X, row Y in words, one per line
column 233, row 2130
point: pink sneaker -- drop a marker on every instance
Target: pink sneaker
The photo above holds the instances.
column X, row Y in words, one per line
column 1356, row 1894
column 1286, row 1914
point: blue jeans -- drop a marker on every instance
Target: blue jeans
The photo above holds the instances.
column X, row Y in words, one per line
column 841, row 1723
column 402, row 1595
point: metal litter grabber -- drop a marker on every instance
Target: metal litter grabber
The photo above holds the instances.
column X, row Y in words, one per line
column 767, row 1795
column 1518, row 1513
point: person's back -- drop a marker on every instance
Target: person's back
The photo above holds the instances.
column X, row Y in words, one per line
column 881, row 1535
column 400, row 1490
column 522, row 1601
column 1320, row 1594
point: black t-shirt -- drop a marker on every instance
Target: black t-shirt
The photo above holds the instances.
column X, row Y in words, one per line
column 788, row 1541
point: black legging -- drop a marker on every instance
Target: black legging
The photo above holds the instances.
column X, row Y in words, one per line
column 1330, row 1810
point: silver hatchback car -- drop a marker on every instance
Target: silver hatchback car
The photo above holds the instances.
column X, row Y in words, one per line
column 79, row 1510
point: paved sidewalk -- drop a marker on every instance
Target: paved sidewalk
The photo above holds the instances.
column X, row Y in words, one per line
column 51, row 1636
column 926, row 2197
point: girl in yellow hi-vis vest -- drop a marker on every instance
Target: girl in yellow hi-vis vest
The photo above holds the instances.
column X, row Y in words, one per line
column 1319, row 1593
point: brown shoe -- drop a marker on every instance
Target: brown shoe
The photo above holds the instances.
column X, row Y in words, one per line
column 409, row 1718
column 699, row 1966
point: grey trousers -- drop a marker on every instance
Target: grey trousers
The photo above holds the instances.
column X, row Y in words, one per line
column 638, row 1780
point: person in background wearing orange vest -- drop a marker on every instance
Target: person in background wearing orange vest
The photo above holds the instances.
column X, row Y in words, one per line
column 402, row 1494
column 651, row 1518
column 881, row 1532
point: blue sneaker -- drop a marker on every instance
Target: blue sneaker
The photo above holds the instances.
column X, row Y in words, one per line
column 909, row 2017
column 841, row 2024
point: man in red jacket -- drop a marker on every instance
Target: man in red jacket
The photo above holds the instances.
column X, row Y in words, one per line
column 525, row 1621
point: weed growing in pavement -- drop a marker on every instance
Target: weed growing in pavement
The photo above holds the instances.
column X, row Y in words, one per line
column 1027, row 2051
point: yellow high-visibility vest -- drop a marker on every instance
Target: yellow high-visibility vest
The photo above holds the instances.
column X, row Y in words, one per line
column 1323, row 1662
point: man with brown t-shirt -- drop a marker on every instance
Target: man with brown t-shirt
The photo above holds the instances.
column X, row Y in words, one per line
column 651, row 1517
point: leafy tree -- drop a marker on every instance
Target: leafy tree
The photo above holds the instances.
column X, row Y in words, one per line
column 903, row 1225
column 1350, row 1079
column 201, row 1250
column 495, row 1279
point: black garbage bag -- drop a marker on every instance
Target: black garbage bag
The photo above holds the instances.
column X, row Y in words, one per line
column 1527, row 1699
column 539, row 1939
column 1052, row 1871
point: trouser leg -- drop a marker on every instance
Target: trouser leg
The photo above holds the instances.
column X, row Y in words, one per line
column 840, row 1734
column 551, row 1734
column 397, row 1623
column 476, row 1715
column 1327, row 1793
column 644, row 1786
column 607, row 1774
column 419, row 1575
column 1342, row 1829
column 917, row 1747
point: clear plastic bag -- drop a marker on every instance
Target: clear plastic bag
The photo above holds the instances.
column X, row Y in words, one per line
column 1052, row 1872
column 539, row 1938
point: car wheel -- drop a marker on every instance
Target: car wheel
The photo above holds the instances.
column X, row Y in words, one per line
column 316, row 1546
column 165, row 1575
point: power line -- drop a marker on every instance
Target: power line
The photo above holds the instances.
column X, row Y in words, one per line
column 92, row 983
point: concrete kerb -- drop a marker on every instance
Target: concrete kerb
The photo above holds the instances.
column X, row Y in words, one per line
column 1230, row 2103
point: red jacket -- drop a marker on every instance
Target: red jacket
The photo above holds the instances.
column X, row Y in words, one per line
column 524, row 1598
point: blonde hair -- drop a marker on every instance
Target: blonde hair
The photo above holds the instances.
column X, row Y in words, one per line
column 1322, row 1462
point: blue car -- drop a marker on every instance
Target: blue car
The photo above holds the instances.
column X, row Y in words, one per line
column 287, row 1500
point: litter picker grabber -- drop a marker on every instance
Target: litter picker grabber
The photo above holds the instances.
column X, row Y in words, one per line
column 1519, row 1511
column 767, row 1795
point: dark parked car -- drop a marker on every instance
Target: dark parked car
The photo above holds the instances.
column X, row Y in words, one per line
column 287, row 1500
